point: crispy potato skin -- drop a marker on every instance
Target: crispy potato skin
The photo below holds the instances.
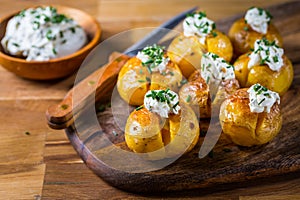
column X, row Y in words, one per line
column 276, row 81
column 135, row 80
column 244, row 127
column 243, row 36
column 220, row 44
column 187, row 52
column 143, row 131
column 196, row 93
column 146, row 132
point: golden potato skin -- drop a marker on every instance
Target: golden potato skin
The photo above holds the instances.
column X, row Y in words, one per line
column 184, row 131
column 132, row 84
column 135, row 80
column 196, row 94
column 171, row 79
column 146, row 132
column 220, row 44
column 244, row 127
column 243, row 36
column 276, row 81
column 143, row 131
column 187, row 52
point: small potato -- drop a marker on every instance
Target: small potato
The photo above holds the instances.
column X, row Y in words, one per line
column 143, row 131
column 186, row 52
column 135, row 80
column 146, row 132
column 278, row 81
column 243, row 37
column 247, row 128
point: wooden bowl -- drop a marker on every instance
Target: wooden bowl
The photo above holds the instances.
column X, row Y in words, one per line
column 58, row 67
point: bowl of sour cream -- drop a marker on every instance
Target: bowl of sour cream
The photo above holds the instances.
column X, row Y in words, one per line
column 47, row 42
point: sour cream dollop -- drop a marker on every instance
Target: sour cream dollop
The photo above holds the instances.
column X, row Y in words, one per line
column 268, row 53
column 153, row 57
column 215, row 69
column 262, row 99
column 162, row 102
column 41, row 34
column 199, row 25
column 258, row 19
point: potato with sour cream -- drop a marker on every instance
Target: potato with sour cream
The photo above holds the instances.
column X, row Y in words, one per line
column 162, row 124
column 210, row 86
column 266, row 65
column 251, row 116
column 199, row 36
column 151, row 69
column 41, row 34
column 255, row 25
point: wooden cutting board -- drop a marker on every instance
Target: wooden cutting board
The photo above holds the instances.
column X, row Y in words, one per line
column 228, row 165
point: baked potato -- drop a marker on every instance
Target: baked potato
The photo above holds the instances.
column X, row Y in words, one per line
column 248, row 127
column 146, row 131
column 136, row 78
column 210, row 87
column 199, row 36
column 278, row 80
column 244, row 32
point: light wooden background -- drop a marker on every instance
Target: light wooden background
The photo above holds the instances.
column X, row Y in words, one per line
column 37, row 162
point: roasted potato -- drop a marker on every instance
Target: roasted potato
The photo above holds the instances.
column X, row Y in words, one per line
column 278, row 81
column 210, row 87
column 135, row 80
column 248, row 128
column 199, row 36
column 243, row 36
column 147, row 132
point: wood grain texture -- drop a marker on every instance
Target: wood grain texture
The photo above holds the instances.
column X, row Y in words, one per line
column 230, row 166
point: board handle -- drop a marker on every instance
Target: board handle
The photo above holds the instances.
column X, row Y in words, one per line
column 60, row 116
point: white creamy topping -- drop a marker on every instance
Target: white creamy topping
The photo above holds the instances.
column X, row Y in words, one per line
column 153, row 57
column 266, row 53
column 198, row 24
column 41, row 34
column 262, row 99
column 258, row 19
column 215, row 69
column 162, row 102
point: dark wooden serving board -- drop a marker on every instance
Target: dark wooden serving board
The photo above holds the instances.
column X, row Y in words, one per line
column 229, row 165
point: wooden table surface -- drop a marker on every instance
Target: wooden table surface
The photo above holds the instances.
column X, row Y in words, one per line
column 37, row 162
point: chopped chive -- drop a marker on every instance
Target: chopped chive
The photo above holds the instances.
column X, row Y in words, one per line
column 91, row 83
column 54, row 51
column 64, row 106
column 261, row 101
column 16, row 44
column 139, row 108
column 176, row 104
column 188, row 98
